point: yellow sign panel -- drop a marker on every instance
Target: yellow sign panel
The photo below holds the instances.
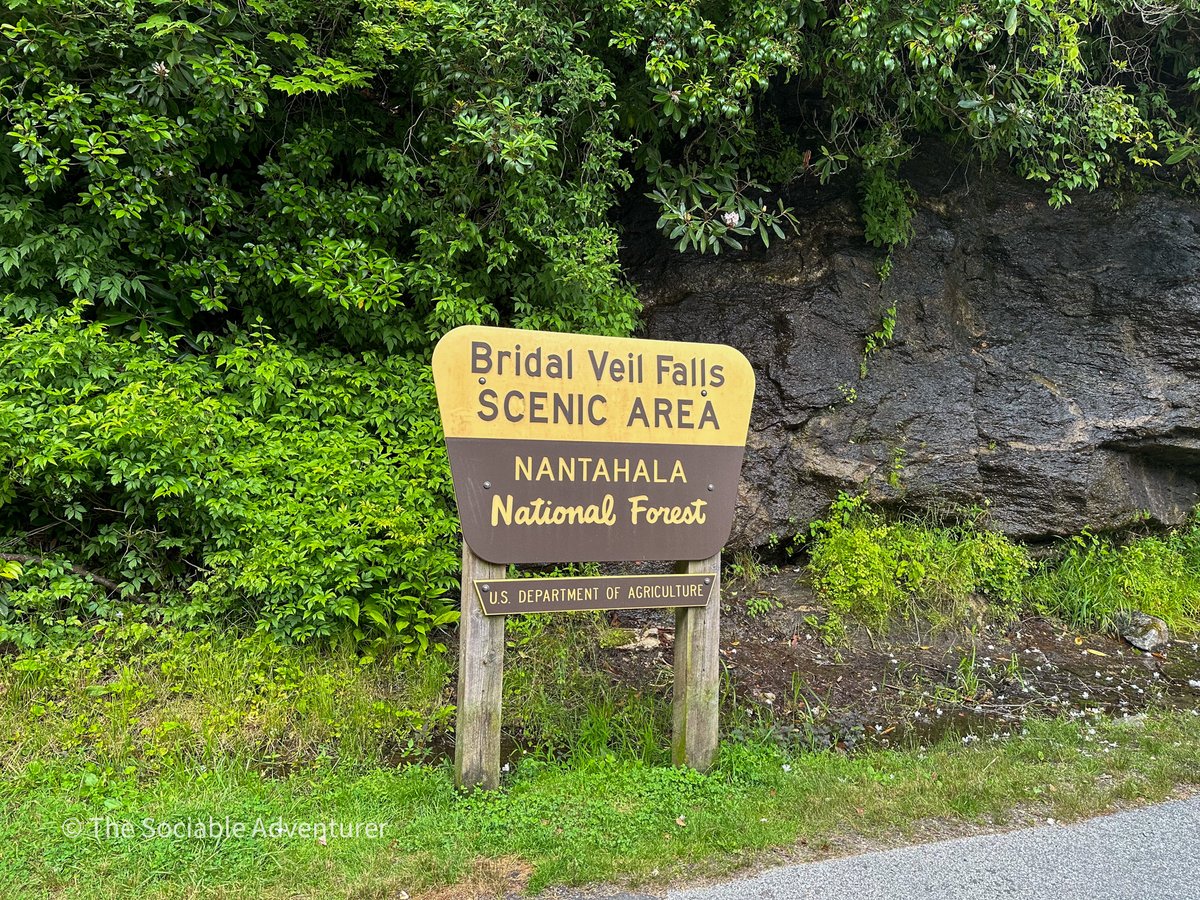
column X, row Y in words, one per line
column 535, row 385
column 573, row 448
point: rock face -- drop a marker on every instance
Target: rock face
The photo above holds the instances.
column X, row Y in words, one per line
column 1045, row 363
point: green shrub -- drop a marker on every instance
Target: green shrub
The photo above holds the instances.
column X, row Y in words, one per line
column 1095, row 579
column 873, row 570
column 887, row 207
column 306, row 492
column 373, row 173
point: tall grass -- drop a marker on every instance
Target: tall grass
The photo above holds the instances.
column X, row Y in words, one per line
column 1094, row 580
column 158, row 698
column 560, row 703
column 875, row 571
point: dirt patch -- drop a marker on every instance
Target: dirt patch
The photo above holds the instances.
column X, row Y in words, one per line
column 503, row 877
column 909, row 686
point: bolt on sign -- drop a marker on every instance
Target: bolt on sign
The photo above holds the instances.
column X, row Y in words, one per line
column 572, row 448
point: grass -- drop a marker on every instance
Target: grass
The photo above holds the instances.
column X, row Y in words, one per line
column 551, row 823
column 153, row 698
column 1094, row 580
column 133, row 732
column 138, row 727
column 875, row 570
column 167, row 696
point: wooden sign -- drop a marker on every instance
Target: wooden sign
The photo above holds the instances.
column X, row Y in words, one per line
column 573, row 448
column 506, row 596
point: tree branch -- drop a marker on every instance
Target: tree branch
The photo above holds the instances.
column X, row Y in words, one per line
column 106, row 583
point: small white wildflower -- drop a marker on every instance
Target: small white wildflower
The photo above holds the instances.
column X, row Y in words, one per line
column 161, row 69
column 731, row 219
column 786, row 767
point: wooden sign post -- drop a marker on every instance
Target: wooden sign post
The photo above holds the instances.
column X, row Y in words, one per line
column 480, row 681
column 572, row 448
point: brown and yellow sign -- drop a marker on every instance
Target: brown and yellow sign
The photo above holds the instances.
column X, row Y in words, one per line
column 502, row 597
column 576, row 448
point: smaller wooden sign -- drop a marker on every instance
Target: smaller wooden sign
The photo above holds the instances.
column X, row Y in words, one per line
column 507, row 596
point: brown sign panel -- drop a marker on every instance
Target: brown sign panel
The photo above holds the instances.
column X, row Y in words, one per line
column 574, row 448
column 506, row 596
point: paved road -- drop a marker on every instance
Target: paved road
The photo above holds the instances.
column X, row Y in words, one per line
column 1147, row 853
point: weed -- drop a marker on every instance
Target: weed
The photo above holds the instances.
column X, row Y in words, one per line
column 968, row 677
column 874, row 570
column 1095, row 579
column 159, row 698
column 748, row 567
column 831, row 630
column 897, row 468
column 878, row 339
column 559, row 703
column 942, row 572
column 759, row 605
column 1012, row 670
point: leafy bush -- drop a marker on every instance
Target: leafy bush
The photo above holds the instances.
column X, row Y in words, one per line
column 887, row 208
column 372, row 174
column 1095, row 579
column 304, row 491
column 873, row 570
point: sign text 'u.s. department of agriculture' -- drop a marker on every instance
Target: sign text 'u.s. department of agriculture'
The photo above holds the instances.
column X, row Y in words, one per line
column 535, row 595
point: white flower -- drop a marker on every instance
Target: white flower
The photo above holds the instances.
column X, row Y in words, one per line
column 731, row 219
column 161, row 69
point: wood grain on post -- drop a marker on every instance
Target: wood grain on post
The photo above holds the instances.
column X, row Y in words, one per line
column 480, row 681
column 697, row 674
